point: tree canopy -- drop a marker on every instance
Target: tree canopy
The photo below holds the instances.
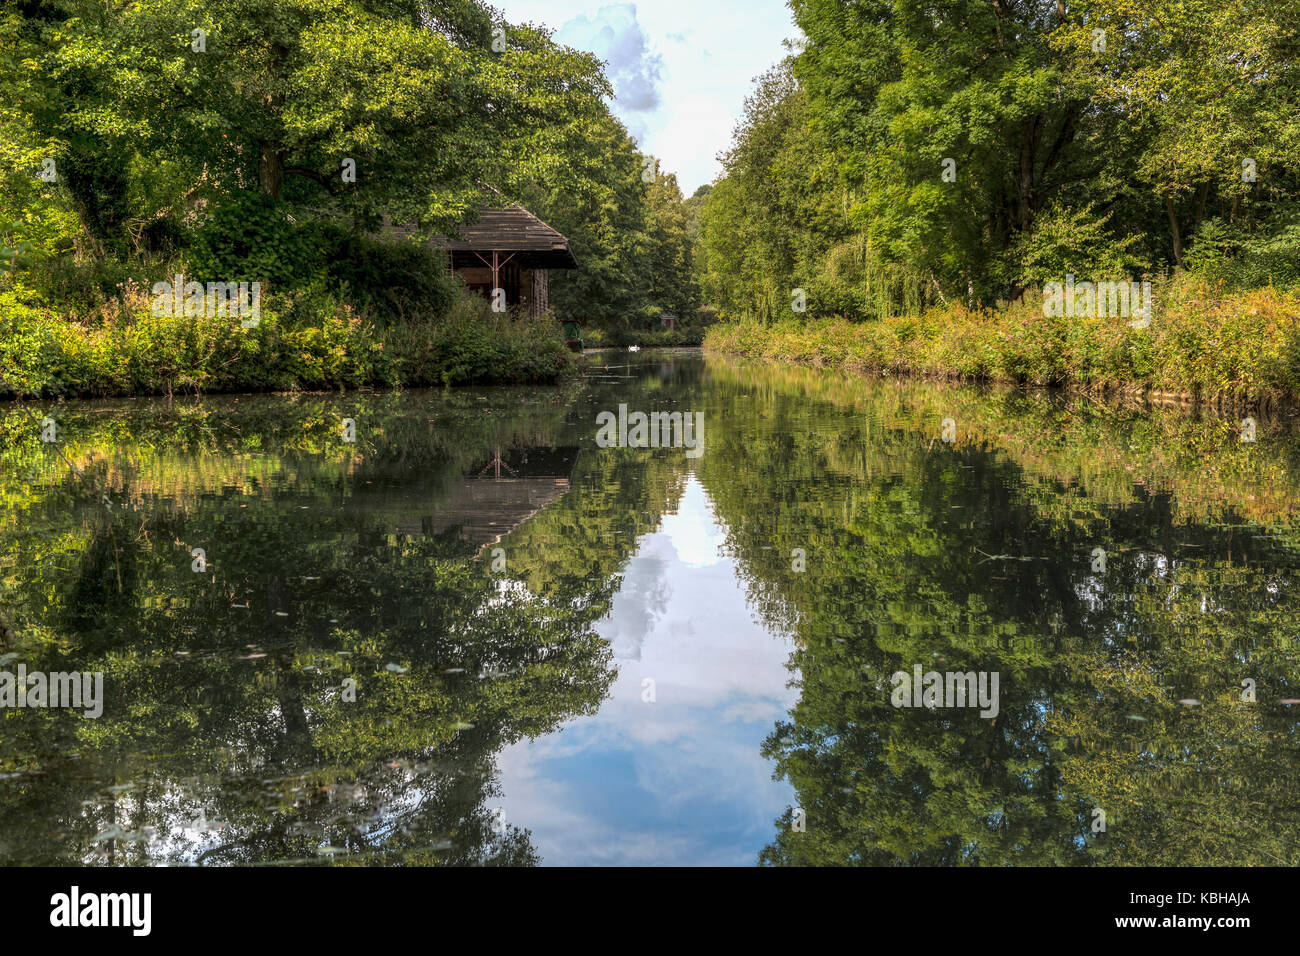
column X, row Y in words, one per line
column 913, row 153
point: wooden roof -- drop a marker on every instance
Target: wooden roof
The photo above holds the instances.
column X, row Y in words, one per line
column 513, row 229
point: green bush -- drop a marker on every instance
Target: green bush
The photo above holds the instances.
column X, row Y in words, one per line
column 394, row 280
column 324, row 346
column 474, row 345
column 29, row 345
column 1228, row 256
column 249, row 238
column 1072, row 241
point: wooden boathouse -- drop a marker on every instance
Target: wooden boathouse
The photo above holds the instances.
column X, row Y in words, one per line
column 513, row 250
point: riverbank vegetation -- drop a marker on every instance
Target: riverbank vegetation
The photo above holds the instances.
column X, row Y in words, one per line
column 274, row 141
column 1204, row 344
column 133, row 352
column 691, row 337
column 902, row 190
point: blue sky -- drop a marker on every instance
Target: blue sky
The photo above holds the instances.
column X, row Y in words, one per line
column 681, row 68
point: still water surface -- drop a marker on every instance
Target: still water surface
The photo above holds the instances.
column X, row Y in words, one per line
column 475, row 636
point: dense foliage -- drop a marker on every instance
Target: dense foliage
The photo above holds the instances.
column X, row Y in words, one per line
column 1242, row 347
column 276, row 140
column 914, row 154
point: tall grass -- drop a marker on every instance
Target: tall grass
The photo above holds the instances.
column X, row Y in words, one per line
column 123, row 349
column 1202, row 342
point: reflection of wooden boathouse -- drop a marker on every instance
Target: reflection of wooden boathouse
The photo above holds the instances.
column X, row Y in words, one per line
column 493, row 499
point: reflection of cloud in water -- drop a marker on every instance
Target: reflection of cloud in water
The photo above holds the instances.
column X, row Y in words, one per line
column 679, row 780
column 640, row 601
column 696, row 535
column 691, row 538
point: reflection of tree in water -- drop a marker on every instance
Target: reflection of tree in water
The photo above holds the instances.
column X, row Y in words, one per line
column 449, row 669
column 958, row 559
column 225, row 737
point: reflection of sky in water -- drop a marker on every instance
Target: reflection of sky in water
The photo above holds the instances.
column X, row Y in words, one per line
column 680, row 780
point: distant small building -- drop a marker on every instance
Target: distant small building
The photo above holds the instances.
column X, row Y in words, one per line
column 668, row 321
column 508, row 249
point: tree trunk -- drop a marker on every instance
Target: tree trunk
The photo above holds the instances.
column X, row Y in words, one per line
column 270, row 168
column 1201, row 197
column 1173, row 229
column 1031, row 134
column 1025, row 177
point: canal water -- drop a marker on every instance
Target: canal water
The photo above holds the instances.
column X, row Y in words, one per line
column 843, row 621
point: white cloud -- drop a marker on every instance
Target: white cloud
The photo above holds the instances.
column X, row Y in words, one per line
column 614, row 35
column 695, row 62
column 696, row 537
